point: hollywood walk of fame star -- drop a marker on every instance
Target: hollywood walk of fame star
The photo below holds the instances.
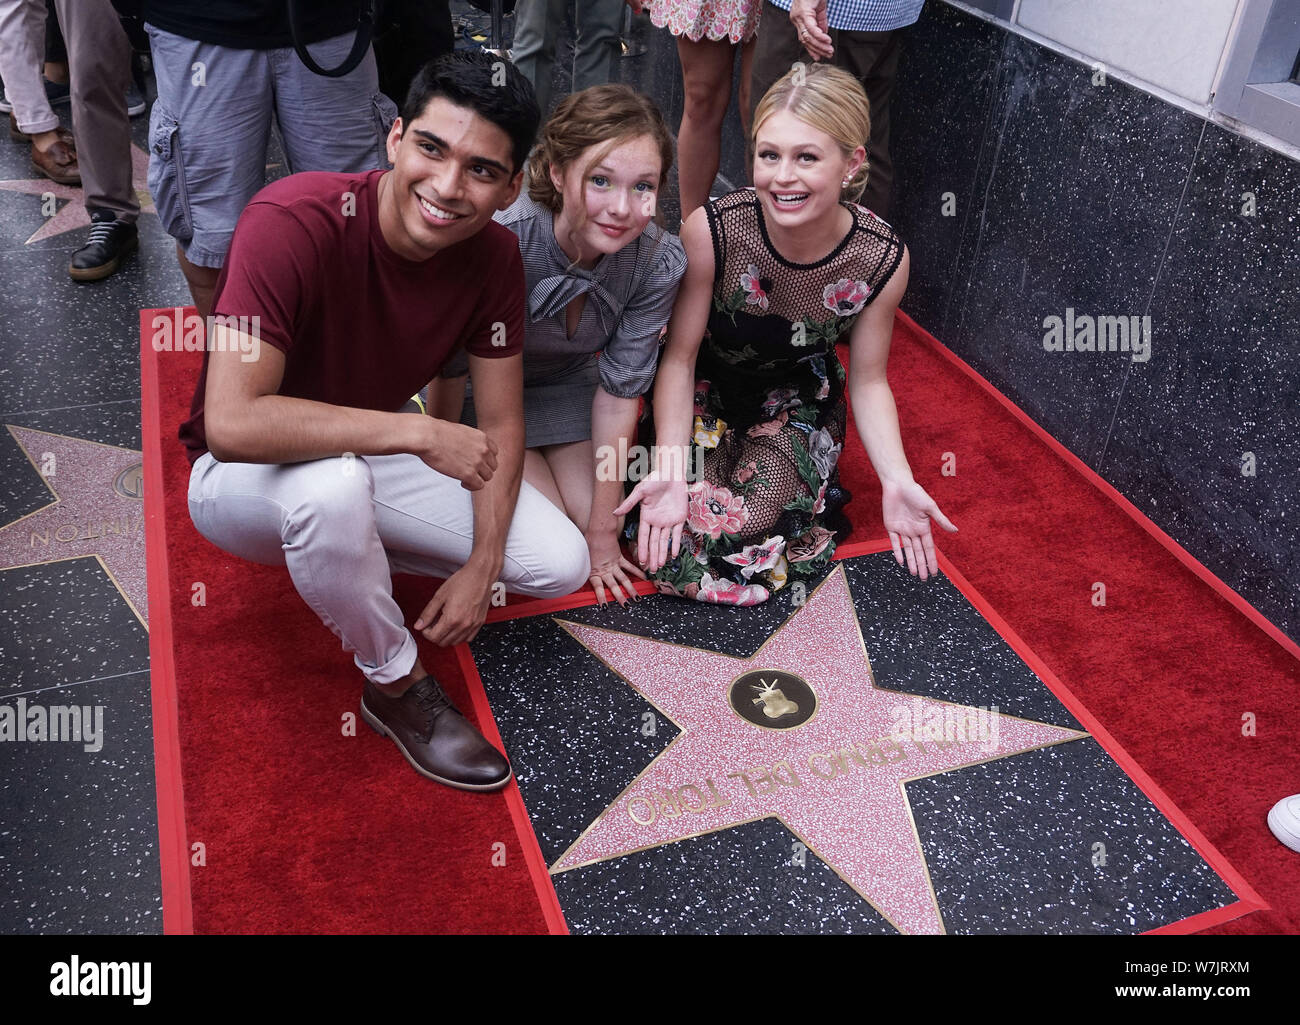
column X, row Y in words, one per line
column 836, row 781
column 71, row 212
column 96, row 511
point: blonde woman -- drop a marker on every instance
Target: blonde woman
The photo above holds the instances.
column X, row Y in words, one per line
column 601, row 281
column 777, row 274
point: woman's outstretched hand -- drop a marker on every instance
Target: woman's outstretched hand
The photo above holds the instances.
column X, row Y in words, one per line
column 663, row 512
column 609, row 569
column 908, row 511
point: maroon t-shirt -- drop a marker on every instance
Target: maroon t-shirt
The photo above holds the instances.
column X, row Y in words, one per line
column 359, row 325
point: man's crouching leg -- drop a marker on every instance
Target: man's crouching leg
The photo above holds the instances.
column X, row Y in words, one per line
column 546, row 555
column 318, row 519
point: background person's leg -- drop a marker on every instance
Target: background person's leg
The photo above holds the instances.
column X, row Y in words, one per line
column 99, row 61
column 872, row 58
column 706, row 81
column 775, row 51
column 208, row 134
column 22, row 33
column 331, row 124
column 537, row 23
column 420, row 31
column 22, row 52
column 596, row 24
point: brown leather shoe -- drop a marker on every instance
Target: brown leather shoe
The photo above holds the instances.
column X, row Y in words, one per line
column 58, row 163
column 436, row 739
column 18, row 135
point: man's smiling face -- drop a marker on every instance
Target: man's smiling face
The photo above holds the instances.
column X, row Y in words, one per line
column 451, row 172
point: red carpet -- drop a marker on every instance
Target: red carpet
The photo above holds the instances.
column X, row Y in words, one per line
column 306, row 830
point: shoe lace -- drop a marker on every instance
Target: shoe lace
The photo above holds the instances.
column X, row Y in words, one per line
column 430, row 698
column 101, row 232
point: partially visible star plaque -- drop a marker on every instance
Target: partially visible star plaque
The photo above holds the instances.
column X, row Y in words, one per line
column 95, row 510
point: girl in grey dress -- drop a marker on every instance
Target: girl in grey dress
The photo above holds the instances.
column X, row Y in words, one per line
column 601, row 280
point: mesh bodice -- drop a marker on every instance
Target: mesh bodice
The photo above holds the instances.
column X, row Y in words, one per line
column 770, row 412
column 775, row 322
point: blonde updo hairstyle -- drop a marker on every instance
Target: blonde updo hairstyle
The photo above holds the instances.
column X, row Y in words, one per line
column 829, row 99
column 611, row 114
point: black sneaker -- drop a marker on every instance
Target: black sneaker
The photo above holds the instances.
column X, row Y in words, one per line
column 57, row 93
column 111, row 241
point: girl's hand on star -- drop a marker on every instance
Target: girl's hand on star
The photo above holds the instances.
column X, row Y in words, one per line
column 908, row 511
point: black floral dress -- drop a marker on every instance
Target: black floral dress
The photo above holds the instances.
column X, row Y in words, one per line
column 770, row 407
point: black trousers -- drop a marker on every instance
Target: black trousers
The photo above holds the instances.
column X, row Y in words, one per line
column 871, row 57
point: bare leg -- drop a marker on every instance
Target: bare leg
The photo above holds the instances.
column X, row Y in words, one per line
column 571, row 468
column 746, row 67
column 202, row 282
column 447, row 398
column 706, row 78
column 399, row 687
column 538, row 474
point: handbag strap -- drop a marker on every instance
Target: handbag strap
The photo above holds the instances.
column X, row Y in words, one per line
column 365, row 33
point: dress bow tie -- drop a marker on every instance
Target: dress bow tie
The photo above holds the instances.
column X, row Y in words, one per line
column 551, row 295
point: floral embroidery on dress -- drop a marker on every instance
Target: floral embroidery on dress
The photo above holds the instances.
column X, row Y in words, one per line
column 728, row 592
column 734, row 20
column 756, row 558
column 752, row 289
column 845, row 297
column 708, row 431
column 714, row 510
column 755, row 292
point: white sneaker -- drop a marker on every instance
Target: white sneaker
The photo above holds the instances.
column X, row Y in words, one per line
column 1284, row 821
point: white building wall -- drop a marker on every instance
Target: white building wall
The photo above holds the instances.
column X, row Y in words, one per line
column 1174, row 44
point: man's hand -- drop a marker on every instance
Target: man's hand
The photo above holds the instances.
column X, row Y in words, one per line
column 465, row 453
column 455, row 614
column 609, row 568
column 809, row 19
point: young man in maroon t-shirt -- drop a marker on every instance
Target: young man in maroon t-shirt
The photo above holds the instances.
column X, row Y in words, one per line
column 351, row 291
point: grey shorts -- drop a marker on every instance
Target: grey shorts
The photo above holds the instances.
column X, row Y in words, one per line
column 209, row 129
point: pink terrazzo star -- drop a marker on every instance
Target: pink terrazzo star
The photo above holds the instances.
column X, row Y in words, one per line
column 96, row 511
column 71, row 212
column 836, row 781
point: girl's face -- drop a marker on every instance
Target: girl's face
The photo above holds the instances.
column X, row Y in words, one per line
column 618, row 196
column 799, row 170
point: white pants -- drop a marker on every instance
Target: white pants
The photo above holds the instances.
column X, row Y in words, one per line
column 344, row 525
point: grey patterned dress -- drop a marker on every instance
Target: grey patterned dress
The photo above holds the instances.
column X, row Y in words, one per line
column 616, row 346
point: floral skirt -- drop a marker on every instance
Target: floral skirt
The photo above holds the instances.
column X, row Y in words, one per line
column 736, row 20
column 758, row 513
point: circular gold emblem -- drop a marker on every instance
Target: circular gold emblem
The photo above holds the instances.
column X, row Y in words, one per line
column 773, row 699
column 130, row 482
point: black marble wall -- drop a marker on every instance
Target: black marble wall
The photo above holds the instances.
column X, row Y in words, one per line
column 1024, row 189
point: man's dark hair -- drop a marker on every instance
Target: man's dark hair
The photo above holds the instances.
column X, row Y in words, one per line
column 490, row 86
